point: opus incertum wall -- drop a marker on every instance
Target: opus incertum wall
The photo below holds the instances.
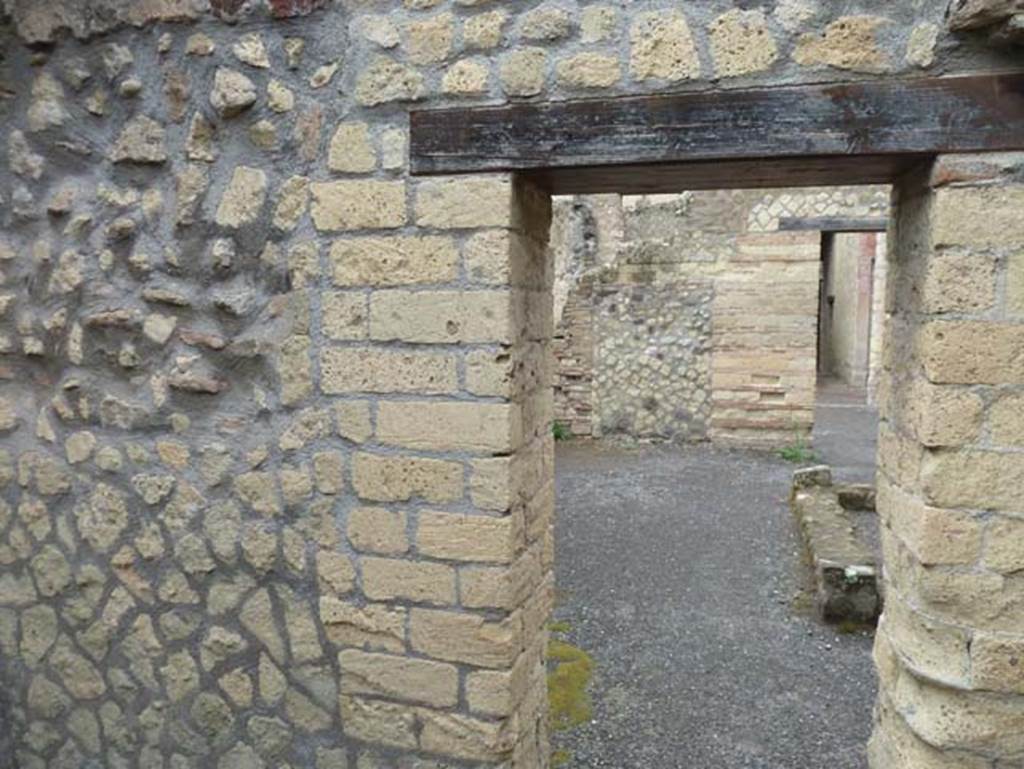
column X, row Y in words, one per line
column 276, row 464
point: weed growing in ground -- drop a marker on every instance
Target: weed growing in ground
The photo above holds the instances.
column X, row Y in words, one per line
column 560, row 431
column 798, row 452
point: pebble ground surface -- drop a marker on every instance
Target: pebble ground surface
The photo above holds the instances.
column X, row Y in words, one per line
column 680, row 572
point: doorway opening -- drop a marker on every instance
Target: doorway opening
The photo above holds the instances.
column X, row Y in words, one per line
column 688, row 347
column 851, row 319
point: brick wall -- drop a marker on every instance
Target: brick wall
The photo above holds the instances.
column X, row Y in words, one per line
column 765, row 341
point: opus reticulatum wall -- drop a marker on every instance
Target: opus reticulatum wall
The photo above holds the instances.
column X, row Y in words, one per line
column 276, row 464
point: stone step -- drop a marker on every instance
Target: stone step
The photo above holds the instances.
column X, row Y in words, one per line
column 846, row 572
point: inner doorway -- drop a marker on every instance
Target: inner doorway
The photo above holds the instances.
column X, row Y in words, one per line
column 851, row 307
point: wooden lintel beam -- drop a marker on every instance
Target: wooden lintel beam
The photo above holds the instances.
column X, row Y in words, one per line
column 905, row 120
column 833, row 224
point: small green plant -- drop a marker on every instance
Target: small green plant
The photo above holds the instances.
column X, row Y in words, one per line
column 798, row 452
column 849, row 627
column 560, row 431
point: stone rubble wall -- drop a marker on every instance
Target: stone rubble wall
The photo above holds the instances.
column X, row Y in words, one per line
column 653, row 334
column 276, row 479
column 702, row 322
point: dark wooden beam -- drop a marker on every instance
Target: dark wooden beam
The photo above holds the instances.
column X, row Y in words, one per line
column 723, row 174
column 833, row 224
column 889, row 123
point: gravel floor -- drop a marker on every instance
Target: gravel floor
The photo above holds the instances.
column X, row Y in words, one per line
column 846, row 432
column 679, row 570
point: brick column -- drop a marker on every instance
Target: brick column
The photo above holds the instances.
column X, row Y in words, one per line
column 950, row 647
column 447, row 657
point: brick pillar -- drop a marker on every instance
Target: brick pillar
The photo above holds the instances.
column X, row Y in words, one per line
column 472, row 589
column 950, row 646
column 532, row 476
column 520, row 485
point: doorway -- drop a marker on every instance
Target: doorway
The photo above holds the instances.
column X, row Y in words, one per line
column 685, row 336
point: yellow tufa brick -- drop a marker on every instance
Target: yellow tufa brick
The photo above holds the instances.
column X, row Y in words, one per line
column 468, row 202
column 399, row 678
column 373, row 370
column 351, row 149
column 345, row 315
column 662, row 47
column 476, row 538
column 972, row 352
column 376, row 530
column 979, row 217
column 377, row 722
column 453, row 734
column 1006, row 421
column 489, row 428
column 441, row 317
column 377, row 626
column 399, row 479
column 741, row 43
column 996, row 663
column 985, row 480
column 358, row 205
column 466, row 638
column 389, row 579
column 1005, row 549
column 335, row 573
column 395, row 260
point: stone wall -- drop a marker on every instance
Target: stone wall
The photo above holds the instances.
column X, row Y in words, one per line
column 950, row 642
column 573, row 352
column 276, row 472
column 699, row 319
column 655, row 333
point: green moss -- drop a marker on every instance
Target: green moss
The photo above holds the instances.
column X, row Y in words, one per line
column 852, row 627
column 803, row 602
column 567, row 685
column 560, row 757
column 560, row 651
column 561, row 626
